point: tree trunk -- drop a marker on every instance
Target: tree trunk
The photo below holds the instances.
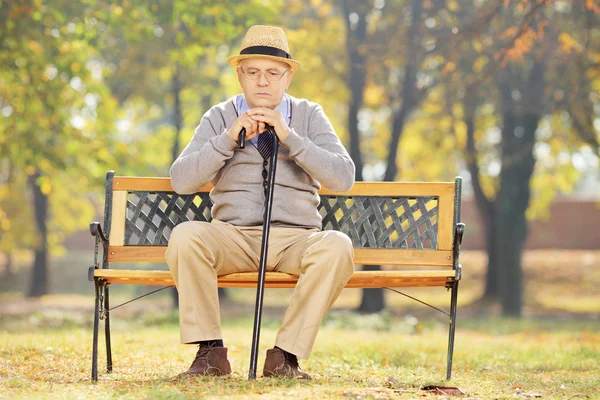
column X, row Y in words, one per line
column 520, row 122
column 38, row 285
column 485, row 206
column 373, row 299
column 492, row 276
column 513, row 200
column 356, row 46
column 8, row 266
column 409, row 91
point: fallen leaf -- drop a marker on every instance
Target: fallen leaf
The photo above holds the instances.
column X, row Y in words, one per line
column 447, row 390
column 392, row 382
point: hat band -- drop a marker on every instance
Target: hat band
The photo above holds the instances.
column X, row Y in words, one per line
column 267, row 51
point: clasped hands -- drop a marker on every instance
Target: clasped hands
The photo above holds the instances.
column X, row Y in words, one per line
column 254, row 121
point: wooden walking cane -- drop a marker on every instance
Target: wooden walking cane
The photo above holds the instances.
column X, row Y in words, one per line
column 264, row 249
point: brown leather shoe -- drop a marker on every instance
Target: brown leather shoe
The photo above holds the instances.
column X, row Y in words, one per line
column 283, row 365
column 210, row 361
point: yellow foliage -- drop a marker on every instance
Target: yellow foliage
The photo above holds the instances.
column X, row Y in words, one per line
column 45, row 165
column 374, row 96
column 480, row 64
column 449, row 67
column 445, row 123
column 46, row 187
column 568, row 43
column 35, row 47
column 325, row 10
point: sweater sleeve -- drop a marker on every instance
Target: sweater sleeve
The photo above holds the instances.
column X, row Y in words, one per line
column 321, row 154
column 202, row 158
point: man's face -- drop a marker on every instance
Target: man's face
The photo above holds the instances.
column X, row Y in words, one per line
column 264, row 81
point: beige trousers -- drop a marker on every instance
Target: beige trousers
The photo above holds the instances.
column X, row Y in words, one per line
column 198, row 252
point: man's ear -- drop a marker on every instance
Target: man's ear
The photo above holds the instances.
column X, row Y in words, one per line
column 239, row 75
column 290, row 75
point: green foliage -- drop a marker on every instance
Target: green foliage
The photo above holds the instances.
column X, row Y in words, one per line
column 57, row 114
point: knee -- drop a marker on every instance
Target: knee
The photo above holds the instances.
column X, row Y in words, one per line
column 181, row 233
column 187, row 234
column 339, row 241
column 339, row 246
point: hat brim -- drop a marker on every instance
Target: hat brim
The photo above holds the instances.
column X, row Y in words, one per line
column 235, row 60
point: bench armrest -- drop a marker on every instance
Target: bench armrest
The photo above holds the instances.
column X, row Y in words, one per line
column 459, row 231
column 96, row 230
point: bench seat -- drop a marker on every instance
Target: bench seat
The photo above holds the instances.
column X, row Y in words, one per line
column 360, row 279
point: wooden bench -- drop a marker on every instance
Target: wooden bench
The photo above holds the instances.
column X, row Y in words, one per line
column 412, row 225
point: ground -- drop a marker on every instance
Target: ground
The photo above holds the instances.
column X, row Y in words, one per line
column 553, row 352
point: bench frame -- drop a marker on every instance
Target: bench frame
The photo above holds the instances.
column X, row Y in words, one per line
column 445, row 254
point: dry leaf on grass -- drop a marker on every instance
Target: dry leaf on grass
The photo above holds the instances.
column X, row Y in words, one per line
column 447, row 390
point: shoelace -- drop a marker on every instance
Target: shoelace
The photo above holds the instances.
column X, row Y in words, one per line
column 202, row 352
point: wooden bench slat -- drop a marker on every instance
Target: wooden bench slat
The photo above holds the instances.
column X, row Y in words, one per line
column 119, row 213
column 152, row 184
column 360, row 279
column 395, row 257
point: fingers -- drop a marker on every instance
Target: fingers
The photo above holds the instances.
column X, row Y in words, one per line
column 255, row 121
column 265, row 116
column 244, row 121
column 251, row 126
column 272, row 117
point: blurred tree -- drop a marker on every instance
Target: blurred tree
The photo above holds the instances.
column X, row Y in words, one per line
column 49, row 95
column 355, row 14
column 15, row 219
column 522, row 57
column 402, row 45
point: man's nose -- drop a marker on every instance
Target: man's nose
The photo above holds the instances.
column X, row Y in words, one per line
column 262, row 79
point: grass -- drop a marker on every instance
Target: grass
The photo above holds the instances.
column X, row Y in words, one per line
column 45, row 343
column 494, row 358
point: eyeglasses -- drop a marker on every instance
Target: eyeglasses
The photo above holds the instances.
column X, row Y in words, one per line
column 271, row 75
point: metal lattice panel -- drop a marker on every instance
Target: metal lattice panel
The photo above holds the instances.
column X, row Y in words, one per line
column 152, row 216
column 383, row 222
column 371, row 222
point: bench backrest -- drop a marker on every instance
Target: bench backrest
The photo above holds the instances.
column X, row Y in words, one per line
column 390, row 223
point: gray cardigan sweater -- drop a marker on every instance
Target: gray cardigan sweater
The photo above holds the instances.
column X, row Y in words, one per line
column 310, row 156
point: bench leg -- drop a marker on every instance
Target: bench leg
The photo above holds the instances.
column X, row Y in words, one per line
column 95, row 340
column 109, row 365
column 453, row 300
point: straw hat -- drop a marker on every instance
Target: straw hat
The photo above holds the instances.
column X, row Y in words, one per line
column 263, row 41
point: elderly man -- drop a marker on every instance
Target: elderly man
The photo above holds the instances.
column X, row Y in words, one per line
column 310, row 155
